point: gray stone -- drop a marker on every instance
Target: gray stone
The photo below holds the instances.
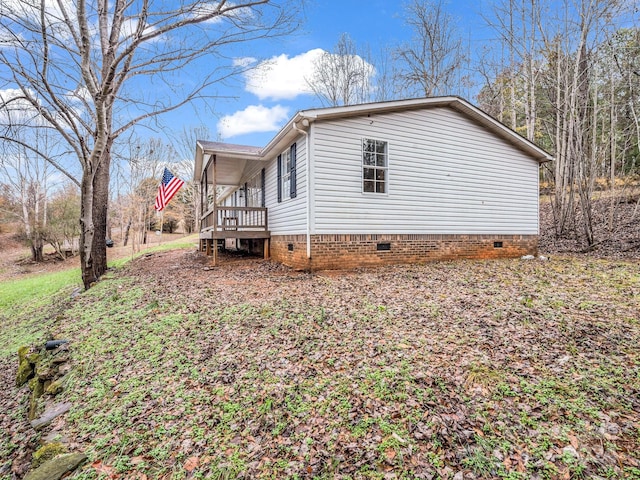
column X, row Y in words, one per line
column 569, row 450
column 51, row 413
column 55, row 468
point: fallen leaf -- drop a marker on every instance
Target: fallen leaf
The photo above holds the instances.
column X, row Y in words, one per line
column 191, row 463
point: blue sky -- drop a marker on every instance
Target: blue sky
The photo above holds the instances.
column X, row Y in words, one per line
column 265, row 99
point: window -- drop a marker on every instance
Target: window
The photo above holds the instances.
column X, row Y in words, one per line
column 255, row 191
column 287, row 174
column 374, row 166
column 285, row 178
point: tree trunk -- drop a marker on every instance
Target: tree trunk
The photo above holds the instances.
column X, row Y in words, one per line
column 126, row 233
column 93, row 219
column 100, row 204
column 37, row 246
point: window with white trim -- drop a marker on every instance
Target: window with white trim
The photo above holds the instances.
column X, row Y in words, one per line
column 286, row 174
column 374, row 166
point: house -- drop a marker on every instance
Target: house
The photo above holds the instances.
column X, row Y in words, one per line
column 390, row 182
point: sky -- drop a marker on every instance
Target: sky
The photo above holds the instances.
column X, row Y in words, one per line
column 252, row 109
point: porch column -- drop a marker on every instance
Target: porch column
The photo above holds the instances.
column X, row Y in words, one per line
column 265, row 245
column 215, row 214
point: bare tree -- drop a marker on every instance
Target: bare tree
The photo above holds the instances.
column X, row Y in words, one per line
column 429, row 64
column 27, row 178
column 385, row 86
column 140, row 169
column 86, row 68
column 62, row 223
column 189, row 194
column 342, row 77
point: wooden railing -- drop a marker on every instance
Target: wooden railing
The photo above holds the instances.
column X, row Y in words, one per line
column 235, row 219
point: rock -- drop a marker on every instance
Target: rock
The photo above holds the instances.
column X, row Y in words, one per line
column 33, row 358
column 459, row 476
column 44, row 371
column 53, row 437
column 25, row 372
column 50, row 414
column 55, row 468
column 527, row 257
column 542, row 258
column 37, row 389
column 569, row 450
column 22, row 353
column 47, row 452
column 613, row 428
column 55, row 387
column 64, row 368
column 58, row 359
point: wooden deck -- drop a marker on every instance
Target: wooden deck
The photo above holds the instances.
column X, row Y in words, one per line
column 242, row 223
column 234, row 222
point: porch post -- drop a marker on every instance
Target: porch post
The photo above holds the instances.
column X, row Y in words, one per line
column 265, row 245
column 215, row 214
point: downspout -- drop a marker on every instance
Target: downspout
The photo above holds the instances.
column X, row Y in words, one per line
column 305, row 123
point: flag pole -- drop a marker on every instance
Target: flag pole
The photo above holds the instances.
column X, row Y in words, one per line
column 161, row 224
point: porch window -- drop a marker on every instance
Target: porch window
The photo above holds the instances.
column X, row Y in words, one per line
column 374, row 166
column 254, row 191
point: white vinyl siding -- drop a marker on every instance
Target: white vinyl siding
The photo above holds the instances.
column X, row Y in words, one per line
column 446, row 174
column 288, row 217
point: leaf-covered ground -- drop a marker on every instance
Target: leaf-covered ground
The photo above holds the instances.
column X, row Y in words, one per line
column 616, row 225
column 494, row 369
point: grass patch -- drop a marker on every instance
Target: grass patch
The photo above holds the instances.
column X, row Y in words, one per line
column 37, row 299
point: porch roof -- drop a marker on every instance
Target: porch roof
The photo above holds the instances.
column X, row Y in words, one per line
column 231, row 160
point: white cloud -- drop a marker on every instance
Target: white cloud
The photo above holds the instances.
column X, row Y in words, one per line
column 130, row 27
column 253, row 119
column 244, row 61
column 282, row 77
column 14, row 108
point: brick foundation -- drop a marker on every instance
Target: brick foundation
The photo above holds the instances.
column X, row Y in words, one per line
column 350, row 251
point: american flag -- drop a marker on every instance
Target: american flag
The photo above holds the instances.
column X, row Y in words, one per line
column 167, row 189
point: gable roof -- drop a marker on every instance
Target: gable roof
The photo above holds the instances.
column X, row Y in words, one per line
column 303, row 118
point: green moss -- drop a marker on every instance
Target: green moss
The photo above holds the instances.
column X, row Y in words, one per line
column 55, row 387
column 37, row 389
column 47, row 452
column 25, row 372
column 22, row 353
column 33, row 358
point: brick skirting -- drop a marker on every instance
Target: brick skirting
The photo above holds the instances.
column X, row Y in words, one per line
column 350, row 251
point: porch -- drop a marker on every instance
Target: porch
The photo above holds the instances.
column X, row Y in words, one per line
column 232, row 198
column 220, row 223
